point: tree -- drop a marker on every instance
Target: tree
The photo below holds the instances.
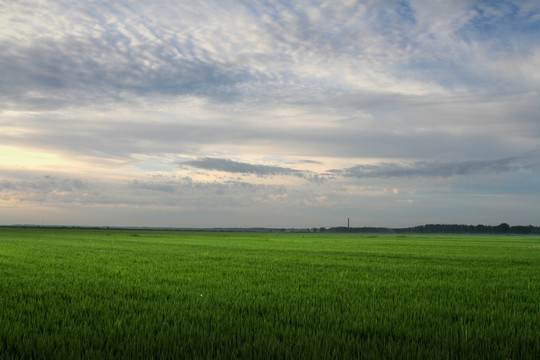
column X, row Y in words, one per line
column 502, row 228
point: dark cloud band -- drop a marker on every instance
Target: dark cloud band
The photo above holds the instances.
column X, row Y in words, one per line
column 443, row 169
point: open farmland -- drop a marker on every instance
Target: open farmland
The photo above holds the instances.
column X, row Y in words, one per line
column 74, row 293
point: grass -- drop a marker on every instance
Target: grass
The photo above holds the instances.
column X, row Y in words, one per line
column 73, row 293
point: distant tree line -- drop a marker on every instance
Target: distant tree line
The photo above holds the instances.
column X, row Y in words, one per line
column 503, row 228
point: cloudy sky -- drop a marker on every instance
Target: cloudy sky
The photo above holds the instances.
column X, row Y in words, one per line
column 269, row 113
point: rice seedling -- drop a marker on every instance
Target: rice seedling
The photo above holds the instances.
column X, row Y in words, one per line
column 82, row 293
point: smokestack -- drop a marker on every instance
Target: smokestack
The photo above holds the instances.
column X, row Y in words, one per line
column 348, row 223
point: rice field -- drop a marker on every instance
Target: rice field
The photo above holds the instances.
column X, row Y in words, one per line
column 89, row 293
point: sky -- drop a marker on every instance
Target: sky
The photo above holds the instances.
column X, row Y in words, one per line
column 269, row 113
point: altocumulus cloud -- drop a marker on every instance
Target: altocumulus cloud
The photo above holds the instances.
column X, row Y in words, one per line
column 70, row 75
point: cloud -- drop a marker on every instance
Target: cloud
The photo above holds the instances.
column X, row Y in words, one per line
column 28, row 187
column 114, row 53
column 443, row 169
column 237, row 167
column 43, row 189
column 529, row 162
column 167, row 188
column 48, row 74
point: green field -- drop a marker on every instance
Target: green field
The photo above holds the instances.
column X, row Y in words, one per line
column 74, row 293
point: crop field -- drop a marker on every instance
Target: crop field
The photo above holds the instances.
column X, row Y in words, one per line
column 76, row 293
